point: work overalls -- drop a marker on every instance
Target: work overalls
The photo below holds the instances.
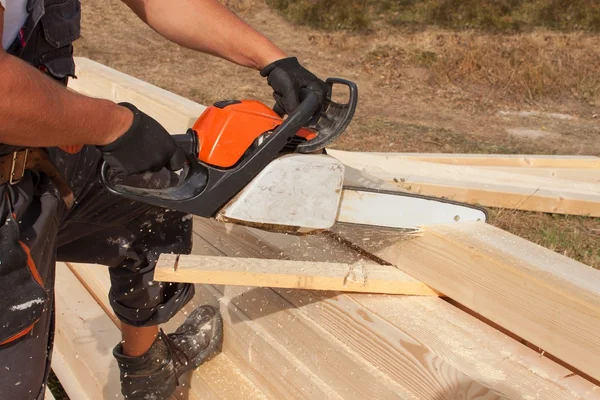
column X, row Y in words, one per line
column 37, row 228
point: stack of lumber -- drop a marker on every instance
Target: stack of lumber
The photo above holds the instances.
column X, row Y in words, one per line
column 553, row 184
column 490, row 315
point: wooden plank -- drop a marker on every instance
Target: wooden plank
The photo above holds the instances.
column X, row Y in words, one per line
column 211, row 380
column 589, row 175
column 262, row 364
column 60, row 366
column 391, row 359
column 390, row 167
column 500, row 160
column 315, row 363
column 174, row 112
column 549, row 300
column 84, row 341
column 484, row 187
column 261, row 356
column 243, row 328
column 405, row 336
column 242, row 271
column 221, row 379
column 535, row 200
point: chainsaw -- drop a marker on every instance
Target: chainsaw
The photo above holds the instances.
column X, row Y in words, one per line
column 246, row 165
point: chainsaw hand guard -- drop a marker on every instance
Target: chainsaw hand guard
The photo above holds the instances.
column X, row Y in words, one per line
column 335, row 118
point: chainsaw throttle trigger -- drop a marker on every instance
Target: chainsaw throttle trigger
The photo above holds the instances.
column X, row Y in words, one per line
column 334, row 118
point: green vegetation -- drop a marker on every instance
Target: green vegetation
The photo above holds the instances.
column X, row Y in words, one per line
column 56, row 388
column 325, row 14
column 573, row 236
column 489, row 15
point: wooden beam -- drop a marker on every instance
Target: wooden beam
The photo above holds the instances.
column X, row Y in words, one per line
column 207, row 380
column 589, row 175
column 174, row 112
column 359, row 277
column 254, row 320
column 400, row 335
column 84, row 340
column 547, row 299
column 501, row 160
column 483, row 187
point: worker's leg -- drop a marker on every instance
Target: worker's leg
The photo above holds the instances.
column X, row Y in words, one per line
column 138, row 340
column 128, row 237
column 25, row 363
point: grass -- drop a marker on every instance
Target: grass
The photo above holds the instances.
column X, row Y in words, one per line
column 56, row 388
column 488, row 15
column 573, row 236
column 419, row 138
column 523, row 67
column 325, row 14
column 518, row 65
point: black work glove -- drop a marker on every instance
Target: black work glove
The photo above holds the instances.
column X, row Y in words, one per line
column 290, row 82
column 146, row 146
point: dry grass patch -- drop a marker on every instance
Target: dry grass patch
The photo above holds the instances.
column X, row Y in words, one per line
column 488, row 15
column 325, row 14
column 573, row 236
column 520, row 67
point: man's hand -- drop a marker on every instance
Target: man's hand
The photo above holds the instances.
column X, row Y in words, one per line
column 290, row 82
column 145, row 146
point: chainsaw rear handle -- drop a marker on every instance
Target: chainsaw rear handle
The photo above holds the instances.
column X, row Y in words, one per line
column 202, row 189
column 334, row 117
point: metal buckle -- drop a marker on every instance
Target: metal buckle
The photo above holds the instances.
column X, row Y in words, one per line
column 17, row 168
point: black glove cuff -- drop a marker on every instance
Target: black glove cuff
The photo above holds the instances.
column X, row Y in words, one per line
column 124, row 138
column 284, row 62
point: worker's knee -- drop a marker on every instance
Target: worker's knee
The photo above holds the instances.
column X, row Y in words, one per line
column 138, row 300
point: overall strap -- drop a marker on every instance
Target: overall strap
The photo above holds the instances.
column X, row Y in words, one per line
column 45, row 40
column 35, row 12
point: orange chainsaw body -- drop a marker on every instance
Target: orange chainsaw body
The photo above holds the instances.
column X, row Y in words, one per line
column 227, row 129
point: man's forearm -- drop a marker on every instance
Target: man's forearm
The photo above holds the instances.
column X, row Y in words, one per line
column 209, row 27
column 36, row 111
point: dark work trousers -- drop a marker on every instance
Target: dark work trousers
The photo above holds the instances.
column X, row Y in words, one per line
column 101, row 228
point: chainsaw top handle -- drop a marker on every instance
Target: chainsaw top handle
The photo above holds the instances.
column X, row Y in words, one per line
column 203, row 189
column 333, row 119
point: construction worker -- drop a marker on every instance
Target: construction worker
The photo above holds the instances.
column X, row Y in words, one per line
column 52, row 206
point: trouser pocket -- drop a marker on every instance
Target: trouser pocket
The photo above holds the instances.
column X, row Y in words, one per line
column 22, row 294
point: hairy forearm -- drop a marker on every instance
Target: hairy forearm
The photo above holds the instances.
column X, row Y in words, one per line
column 36, row 111
column 209, row 27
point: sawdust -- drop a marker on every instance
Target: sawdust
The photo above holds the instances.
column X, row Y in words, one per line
column 26, row 305
column 356, row 273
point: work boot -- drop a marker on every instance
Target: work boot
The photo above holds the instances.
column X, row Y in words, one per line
column 155, row 374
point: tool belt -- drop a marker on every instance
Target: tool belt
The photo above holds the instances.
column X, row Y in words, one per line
column 14, row 165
